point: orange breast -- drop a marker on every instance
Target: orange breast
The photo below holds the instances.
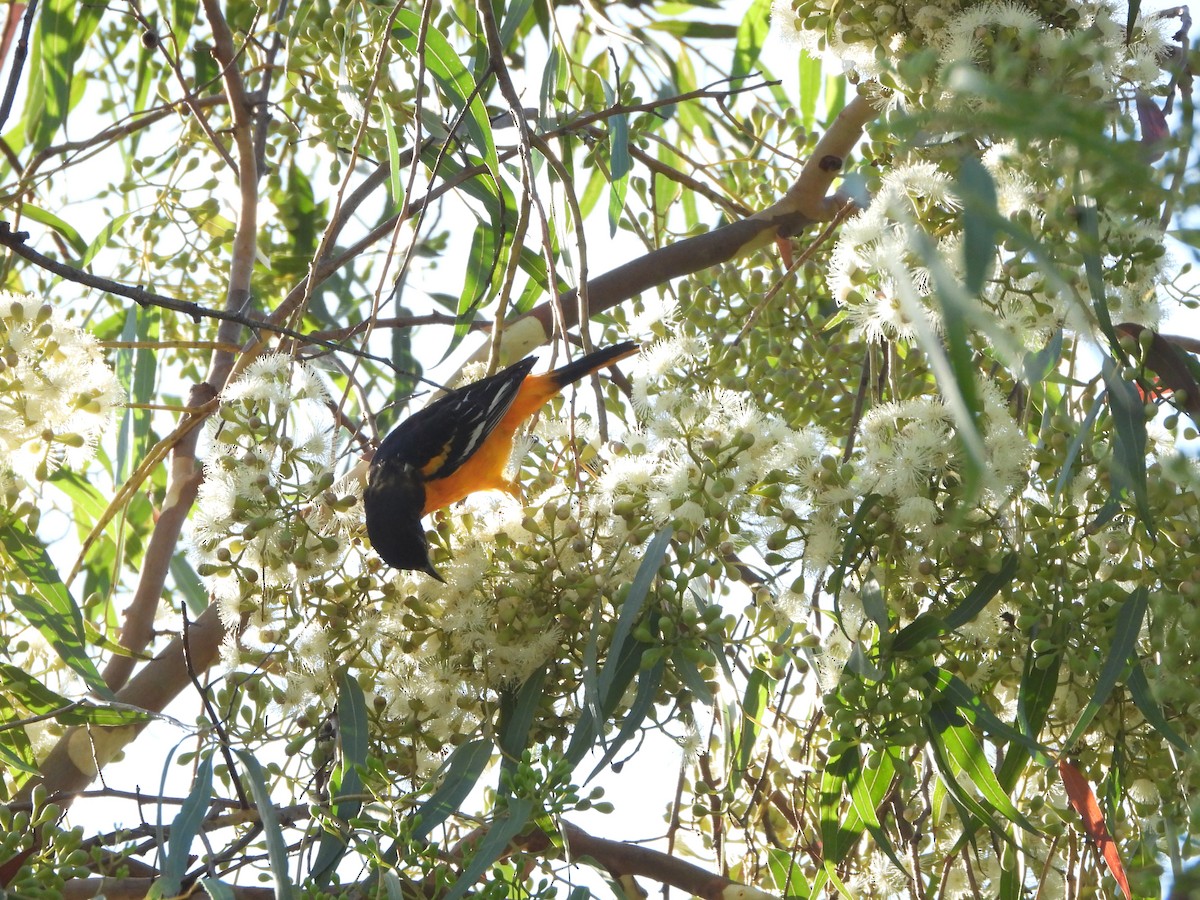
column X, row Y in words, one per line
column 484, row 470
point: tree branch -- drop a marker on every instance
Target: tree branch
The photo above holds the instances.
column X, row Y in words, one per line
column 624, row 860
column 17, row 242
column 18, row 65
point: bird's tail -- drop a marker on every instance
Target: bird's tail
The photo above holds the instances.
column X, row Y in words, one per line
column 593, row 362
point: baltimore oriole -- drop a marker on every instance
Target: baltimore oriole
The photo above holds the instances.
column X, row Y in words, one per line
column 459, row 444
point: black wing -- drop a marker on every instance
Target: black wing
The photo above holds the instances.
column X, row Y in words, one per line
column 441, row 437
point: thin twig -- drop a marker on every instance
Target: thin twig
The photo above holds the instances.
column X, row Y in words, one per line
column 214, row 720
column 16, row 241
column 800, row 260
column 14, row 76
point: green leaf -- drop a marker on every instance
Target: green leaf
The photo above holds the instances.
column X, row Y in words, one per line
column 189, row 583
column 183, row 14
column 631, row 609
column 482, row 262
column 15, row 749
column 268, row 818
column 185, row 827
column 983, row 592
column 505, row 826
column 972, row 708
column 979, row 233
column 873, row 603
column 810, row 88
column 1089, row 228
column 463, row 769
column 1076, row 445
column 1139, row 690
column 100, row 241
column 217, row 890
column 952, row 358
column 689, row 674
column 453, row 78
column 1038, row 365
column 64, row 30
column 643, row 701
column 971, row 809
column 1036, row 693
column 922, row 628
column 514, row 16
column 967, row 757
column 866, row 787
column 713, row 31
column 1124, row 639
column 42, row 701
column 750, row 36
column 517, row 710
column 53, row 611
column 1128, row 466
column 67, row 232
column 837, row 578
column 353, row 735
column 867, row 790
column 746, row 730
column 624, row 655
column 394, row 180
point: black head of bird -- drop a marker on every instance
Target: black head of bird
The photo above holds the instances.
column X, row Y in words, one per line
column 393, row 499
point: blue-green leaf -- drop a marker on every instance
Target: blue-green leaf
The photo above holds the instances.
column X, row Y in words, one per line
column 185, row 827
column 353, row 734
column 463, row 769
column 1076, row 445
column 1139, row 690
column 505, row 826
column 1128, row 465
column 983, row 592
column 517, row 709
column 1124, row 639
column 979, row 231
column 268, row 818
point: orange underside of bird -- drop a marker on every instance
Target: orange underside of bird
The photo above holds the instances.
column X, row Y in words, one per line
column 457, row 445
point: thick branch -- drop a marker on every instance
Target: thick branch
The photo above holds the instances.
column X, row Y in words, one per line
column 76, row 759
column 809, row 200
column 624, row 860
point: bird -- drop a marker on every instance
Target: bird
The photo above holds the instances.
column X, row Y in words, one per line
column 458, row 444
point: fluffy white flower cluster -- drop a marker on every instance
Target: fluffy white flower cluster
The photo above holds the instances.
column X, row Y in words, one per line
column 267, row 513
column 890, row 259
column 910, row 453
column 879, row 268
column 1081, row 46
column 56, row 392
